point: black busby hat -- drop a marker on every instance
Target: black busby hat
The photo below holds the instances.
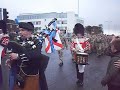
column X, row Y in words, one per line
column 78, row 28
column 26, row 25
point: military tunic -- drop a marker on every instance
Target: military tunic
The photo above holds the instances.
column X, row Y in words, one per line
column 29, row 52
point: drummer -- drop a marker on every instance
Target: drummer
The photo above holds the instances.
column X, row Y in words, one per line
column 79, row 44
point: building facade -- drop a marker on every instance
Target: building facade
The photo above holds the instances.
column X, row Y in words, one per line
column 65, row 21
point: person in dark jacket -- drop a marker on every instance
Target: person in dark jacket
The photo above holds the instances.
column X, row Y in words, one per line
column 112, row 77
column 108, row 51
column 117, row 64
column 26, row 58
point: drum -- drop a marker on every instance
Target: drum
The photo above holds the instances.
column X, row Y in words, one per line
column 81, row 58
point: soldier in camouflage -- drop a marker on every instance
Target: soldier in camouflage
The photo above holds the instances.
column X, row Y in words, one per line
column 65, row 45
column 98, row 45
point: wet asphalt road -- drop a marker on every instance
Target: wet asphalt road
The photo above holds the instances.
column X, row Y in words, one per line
column 64, row 78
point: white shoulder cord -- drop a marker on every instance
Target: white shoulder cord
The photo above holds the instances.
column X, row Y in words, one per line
column 81, row 67
column 79, row 45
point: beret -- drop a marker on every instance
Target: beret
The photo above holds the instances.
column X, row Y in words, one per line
column 28, row 26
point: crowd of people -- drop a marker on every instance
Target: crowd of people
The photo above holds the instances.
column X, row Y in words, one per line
column 99, row 43
column 27, row 64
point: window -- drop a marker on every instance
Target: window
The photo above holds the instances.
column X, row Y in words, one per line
column 58, row 22
column 39, row 28
column 64, row 22
column 38, row 22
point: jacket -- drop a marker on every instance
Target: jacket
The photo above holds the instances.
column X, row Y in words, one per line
column 112, row 76
column 29, row 52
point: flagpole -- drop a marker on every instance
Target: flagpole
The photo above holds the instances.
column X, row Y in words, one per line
column 78, row 8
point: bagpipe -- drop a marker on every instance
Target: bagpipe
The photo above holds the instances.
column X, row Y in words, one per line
column 47, row 32
column 13, row 45
column 47, row 35
column 44, row 35
column 51, row 37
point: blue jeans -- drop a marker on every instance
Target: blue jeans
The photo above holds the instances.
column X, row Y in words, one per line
column 0, row 76
column 12, row 78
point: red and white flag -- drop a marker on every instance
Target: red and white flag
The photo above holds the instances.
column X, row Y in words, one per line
column 57, row 45
column 47, row 45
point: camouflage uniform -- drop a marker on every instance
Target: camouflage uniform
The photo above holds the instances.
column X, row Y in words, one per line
column 65, row 45
column 105, row 45
column 92, row 42
column 99, row 46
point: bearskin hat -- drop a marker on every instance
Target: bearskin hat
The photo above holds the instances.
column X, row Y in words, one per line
column 78, row 28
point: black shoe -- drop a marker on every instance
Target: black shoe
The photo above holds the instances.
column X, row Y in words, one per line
column 73, row 60
column 61, row 64
column 79, row 83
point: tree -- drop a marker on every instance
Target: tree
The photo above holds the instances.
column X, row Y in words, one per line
column 97, row 29
column 88, row 29
column 94, row 29
column 101, row 27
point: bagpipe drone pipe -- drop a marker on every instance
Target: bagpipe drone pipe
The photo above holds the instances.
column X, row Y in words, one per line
column 47, row 32
column 51, row 37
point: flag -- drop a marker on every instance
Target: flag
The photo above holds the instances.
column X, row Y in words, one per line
column 57, row 45
column 52, row 45
column 47, row 45
column 47, row 42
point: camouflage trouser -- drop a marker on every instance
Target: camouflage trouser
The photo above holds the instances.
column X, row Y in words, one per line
column 73, row 55
column 65, row 44
column 103, row 48
column 99, row 49
column 93, row 48
column 60, row 54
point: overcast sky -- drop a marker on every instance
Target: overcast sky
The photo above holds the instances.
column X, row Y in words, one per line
column 94, row 12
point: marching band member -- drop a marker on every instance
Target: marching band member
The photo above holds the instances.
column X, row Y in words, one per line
column 79, row 44
column 27, row 60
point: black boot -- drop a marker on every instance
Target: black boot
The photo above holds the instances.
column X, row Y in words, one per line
column 80, row 79
column 80, row 76
column 61, row 63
